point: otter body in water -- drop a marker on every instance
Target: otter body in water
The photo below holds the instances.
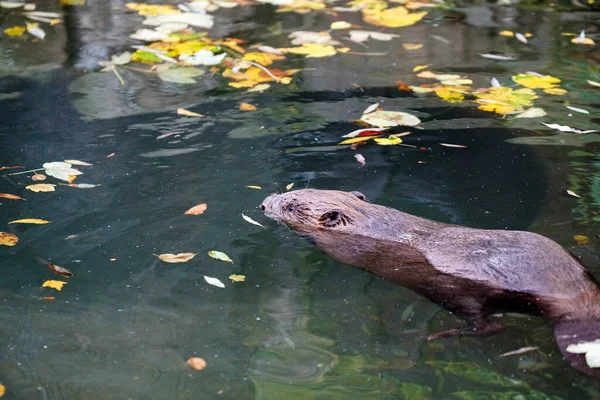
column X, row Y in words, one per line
column 475, row 273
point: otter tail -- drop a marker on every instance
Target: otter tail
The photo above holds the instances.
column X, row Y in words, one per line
column 573, row 332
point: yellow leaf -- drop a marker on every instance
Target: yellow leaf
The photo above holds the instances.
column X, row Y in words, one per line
column 30, row 221
column 15, row 31
column 507, row 96
column 2, row 390
column 412, row 46
column 390, row 141
column 254, row 187
column 262, row 58
column 58, row 285
column 536, row 82
column 585, row 40
column 289, row 186
column 449, row 95
column 237, row 278
column 340, row 25
column 247, row 107
column 176, row 258
column 8, row 239
column 507, row 33
column 72, row 2
column 581, row 239
column 152, row 10
column 395, row 17
column 243, row 84
column 356, row 140
column 420, row 67
column 41, row 187
column 187, row 113
column 188, row 47
column 220, row 256
column 498, row 108
column 312, row 50
column 556, row 91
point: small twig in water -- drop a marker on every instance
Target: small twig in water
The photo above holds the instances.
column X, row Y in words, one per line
column 114, row 69
column 25, row 172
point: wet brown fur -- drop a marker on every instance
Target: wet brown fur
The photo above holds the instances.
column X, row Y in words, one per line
column 475, row 273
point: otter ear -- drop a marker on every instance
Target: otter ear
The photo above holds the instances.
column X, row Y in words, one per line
column 359, row 195
column 333, row 218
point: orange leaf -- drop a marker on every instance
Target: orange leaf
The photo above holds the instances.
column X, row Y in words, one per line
column 197, row 210
column 581, row 239
column 247, row 107
column 48, row 298
column 197, row 363
column 11, row 196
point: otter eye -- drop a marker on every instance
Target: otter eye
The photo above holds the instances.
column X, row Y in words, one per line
column 290, row 208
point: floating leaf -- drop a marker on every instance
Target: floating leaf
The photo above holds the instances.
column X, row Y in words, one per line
column 498, row 57
column 420, row 67
column 11, row 4
column 60, row 170
column 495, row 83
column 395, row 17
column 371, row 108
column 312, row 50
column 2, row 390
column 412, row 46
column 390, row 118
column 594, row 83
column 365, row 132
column 521, row 38
column 30, row 221
column 253, row 222
column 591, row 351
column 220, row 256
column 196, row 363
column 533, row 112
column 176, row 258
column 15, row 31
column 450, row 95
column 58, row 285
column 10, row 196
column 564, row 128
column 456, row 146
column 520, row 351
column 55, row 268
column 35, row 30
column 247, row 107
column 581, row 239
column 507, row 96
column 360, row 159
column 254, row 187
column 203, row 57
column 581, row 39
column 214, row 281
column 8, row 239
column 556, row 91
column 80, row 185
column 289, row 186
column 38, row 177
column 197, row 210
column 507, row 33
column 579, row 110
column 187, row 113
column 389, row 141
column 536, row 82
column 572, row 193
column 151, row 10
column 356, row 140
column 340, row 25
column 181, row 75
column 237, row 278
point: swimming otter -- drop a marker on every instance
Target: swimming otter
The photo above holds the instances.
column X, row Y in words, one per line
column 475, row 273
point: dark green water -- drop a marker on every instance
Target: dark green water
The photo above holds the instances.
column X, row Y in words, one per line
column 302, row 326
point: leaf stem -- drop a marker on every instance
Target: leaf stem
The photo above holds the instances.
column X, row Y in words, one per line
column 25, row 172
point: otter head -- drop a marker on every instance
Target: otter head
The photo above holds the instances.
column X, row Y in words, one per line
column 311, row 211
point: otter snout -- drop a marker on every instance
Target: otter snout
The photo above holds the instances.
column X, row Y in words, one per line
column 271, row 206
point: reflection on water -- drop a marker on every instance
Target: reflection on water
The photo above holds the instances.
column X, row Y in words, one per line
column 301, row 326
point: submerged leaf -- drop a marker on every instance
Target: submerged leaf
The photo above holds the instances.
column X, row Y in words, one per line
column 10, row 196
column 196, row 363
column 579, row 110
column 77, row 162
column 220, row 256
column 176, row 258
column 15, row 31
column 186, row 113
column 360, row 159
column 247, row 107
column 564, row 128
column 533, row 112
column 450, row 95
column 390, row 118
column 572, row 193
column 8, row 239
column 581, row 239
column 289, row 186
column 254, row 187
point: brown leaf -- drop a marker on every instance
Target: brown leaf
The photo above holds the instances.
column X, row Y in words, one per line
column 38, row 177
column 188, row 113
column 48, row 298
column 176, row 258
column 196, row 363
column 581, row 239
column 14, row 166
column 197, row 210
column 10, row 196
column 57, row 269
